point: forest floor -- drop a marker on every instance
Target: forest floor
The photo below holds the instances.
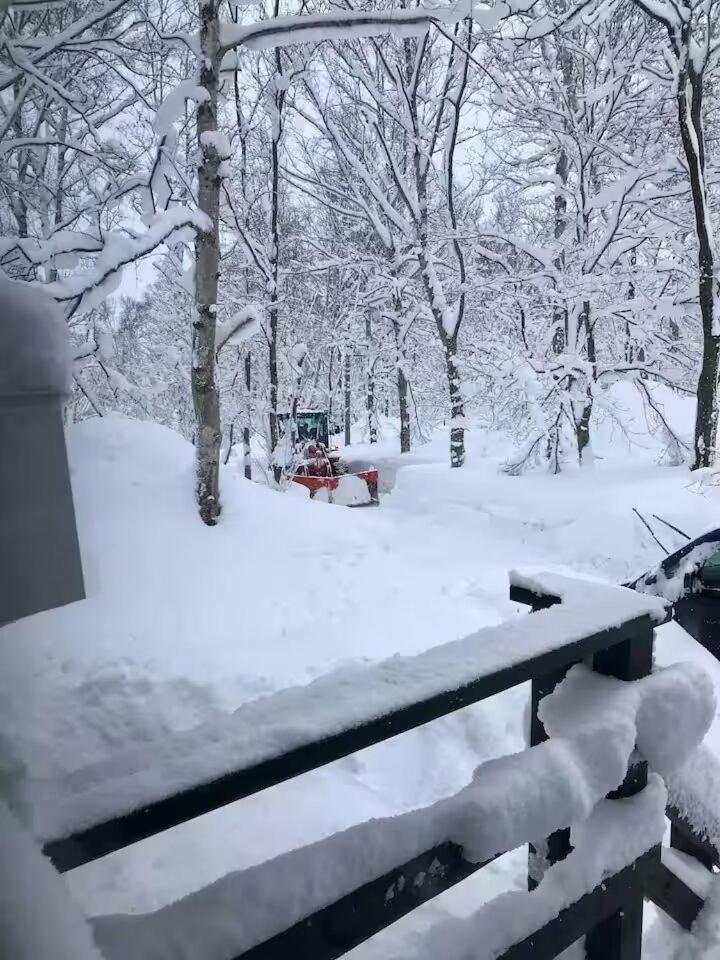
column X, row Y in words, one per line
column 182, row 622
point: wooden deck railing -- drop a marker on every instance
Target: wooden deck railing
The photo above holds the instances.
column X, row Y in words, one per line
column 609, row 917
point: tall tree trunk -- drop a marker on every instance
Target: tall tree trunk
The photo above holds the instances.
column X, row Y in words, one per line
column 243, row 131
column 562, row 171
column 372, row 419
column 294, row 406
column 582, row 423
column 629, row 345
column 457, row 408
column 18, row 202
column 449, row 341
column 247, row 463
column 348, row 397
column 275, row 256
column 448, row 332
column 206, row 401
column 402, row 386
column 560, row 318
column 690, row 107
column 273, row 309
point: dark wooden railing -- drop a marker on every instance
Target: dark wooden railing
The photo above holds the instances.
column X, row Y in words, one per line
column 609, row 917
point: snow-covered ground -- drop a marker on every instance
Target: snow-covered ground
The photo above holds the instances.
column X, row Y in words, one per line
column 183, row 623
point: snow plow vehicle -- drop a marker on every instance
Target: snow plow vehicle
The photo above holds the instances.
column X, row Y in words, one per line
column 319, row 468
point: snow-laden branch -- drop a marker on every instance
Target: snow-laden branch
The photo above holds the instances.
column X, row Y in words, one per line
column 240, row 327
column 346, row 25
column 61, row 39
column 85, row 289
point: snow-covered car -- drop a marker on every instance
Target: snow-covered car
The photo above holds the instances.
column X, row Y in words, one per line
column 690, row 578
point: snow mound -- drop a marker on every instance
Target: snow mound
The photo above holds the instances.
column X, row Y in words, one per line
column 351, row 491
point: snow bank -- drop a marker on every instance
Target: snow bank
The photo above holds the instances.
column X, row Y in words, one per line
column 38, row 920
column 291, row 718
column 34, row 350
column 595, row 723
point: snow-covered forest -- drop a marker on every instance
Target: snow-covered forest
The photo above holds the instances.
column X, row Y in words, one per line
column 456, row 261
column 450, row 216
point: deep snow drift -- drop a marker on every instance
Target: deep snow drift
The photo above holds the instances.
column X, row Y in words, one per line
column 183, row 623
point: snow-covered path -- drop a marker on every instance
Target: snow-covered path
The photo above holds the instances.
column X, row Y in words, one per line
column 183, row 623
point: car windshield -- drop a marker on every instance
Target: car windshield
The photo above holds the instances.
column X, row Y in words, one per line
column 710, row 572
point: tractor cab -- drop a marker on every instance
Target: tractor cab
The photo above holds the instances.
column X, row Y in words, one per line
column 306, row 426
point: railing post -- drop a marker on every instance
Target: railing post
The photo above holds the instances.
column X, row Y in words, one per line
column 557, row 846
column 620, row 935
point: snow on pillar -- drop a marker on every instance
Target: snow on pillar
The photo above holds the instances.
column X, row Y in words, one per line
column 40, row 564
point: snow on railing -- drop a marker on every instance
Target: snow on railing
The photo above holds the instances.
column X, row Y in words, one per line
column 587, row 766
column 694, row 798
column 325, row 720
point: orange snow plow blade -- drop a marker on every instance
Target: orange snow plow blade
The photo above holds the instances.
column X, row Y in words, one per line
column 313, row 484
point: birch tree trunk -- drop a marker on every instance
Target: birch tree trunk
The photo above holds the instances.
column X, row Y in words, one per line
column 206, row 401
column 690, row 108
